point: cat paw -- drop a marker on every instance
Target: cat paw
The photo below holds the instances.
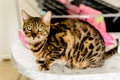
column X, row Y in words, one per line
column 69, row 66
column 43, row 67
column 40, row 61
column 95, row 65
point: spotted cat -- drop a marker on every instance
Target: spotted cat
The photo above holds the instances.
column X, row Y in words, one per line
column 73, row 41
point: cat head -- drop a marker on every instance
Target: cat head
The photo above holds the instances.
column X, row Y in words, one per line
column 36, row 29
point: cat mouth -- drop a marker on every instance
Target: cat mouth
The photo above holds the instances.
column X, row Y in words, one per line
column 33, row 40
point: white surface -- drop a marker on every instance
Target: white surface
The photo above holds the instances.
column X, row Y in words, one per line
column 119, row 49
column 25, row 63
column 8, row 26
column 115, row 3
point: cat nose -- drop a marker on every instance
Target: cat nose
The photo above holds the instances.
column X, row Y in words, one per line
column 34, row 35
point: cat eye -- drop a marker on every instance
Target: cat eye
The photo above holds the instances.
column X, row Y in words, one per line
column 40, row 29
column 29, row 28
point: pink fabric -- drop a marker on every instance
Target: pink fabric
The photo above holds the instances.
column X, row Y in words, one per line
column 22, row 38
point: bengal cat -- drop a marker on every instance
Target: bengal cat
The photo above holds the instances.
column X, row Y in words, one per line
column 73, row 41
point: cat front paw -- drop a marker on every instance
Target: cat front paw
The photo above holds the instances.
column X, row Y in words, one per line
column 44, row 67
column 40, row 61
column 69, row 66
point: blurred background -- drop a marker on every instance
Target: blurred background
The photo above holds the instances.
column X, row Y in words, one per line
column 8, row 26
column 10, row 22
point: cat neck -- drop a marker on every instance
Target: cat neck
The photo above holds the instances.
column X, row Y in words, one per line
column 38, row 47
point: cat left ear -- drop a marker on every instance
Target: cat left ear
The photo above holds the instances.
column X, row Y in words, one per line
column 47, row 17
column 25, row 15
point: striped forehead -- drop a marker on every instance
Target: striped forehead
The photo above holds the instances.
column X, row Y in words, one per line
column 35, row 22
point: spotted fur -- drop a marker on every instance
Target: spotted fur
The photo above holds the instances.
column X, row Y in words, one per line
column 75, row 42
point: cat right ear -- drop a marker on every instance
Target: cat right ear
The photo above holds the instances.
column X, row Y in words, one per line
column 25, row 15
column 47, row 17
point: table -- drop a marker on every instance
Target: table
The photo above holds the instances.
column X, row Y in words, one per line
column 25, row 63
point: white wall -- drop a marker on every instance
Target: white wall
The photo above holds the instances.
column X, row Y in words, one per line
column 8, row 26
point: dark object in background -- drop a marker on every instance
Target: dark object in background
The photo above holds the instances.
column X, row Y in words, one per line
column 96, row 4
column 112, row 26
column 58, row 8
column 105, row 8
column 55, row 6
column 55, row 20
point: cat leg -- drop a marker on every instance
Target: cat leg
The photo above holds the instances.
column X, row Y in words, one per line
column 40, row 60
column 44, row 67
column 89, row 52
column 69, row 65
column 97, row 64
column 45, row 64
column 83, row 64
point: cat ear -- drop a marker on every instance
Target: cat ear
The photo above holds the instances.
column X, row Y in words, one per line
column 47, row 17
column 25, row 15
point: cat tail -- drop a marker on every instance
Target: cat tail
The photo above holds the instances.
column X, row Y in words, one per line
column 112, row 51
